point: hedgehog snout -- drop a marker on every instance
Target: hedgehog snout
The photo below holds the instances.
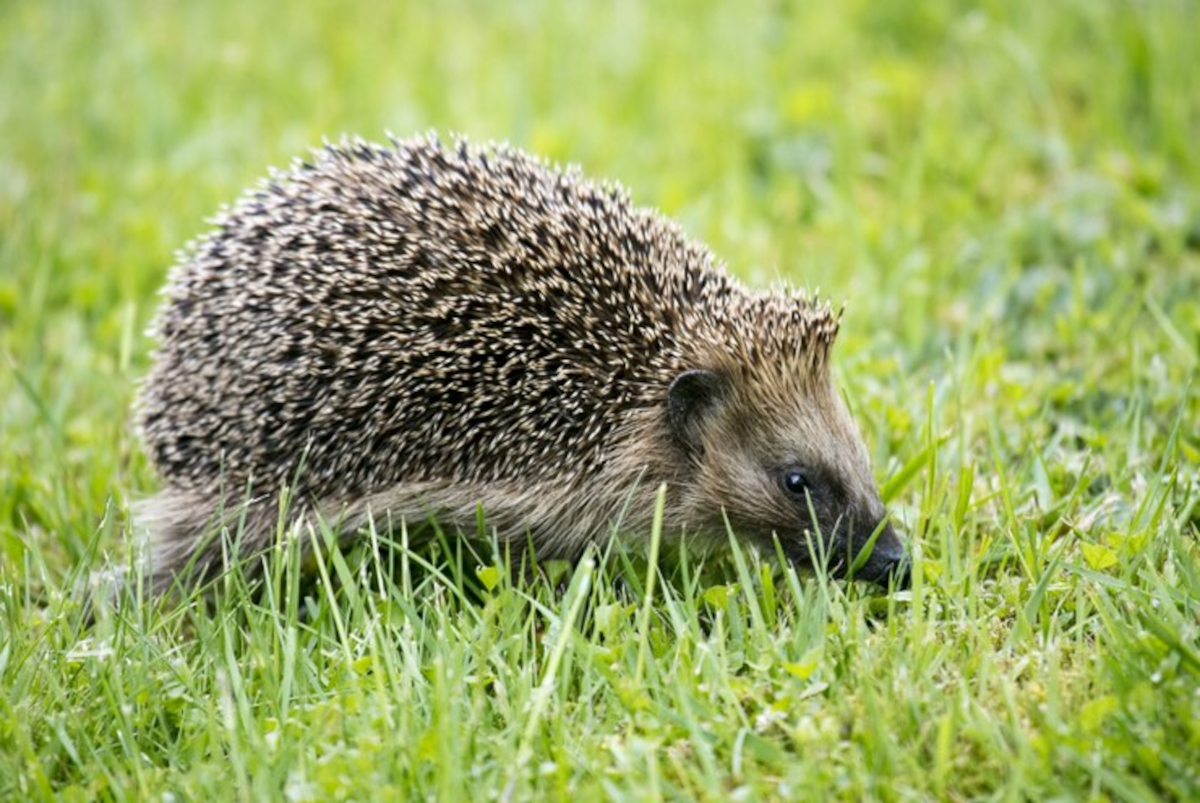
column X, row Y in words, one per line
column 887, row 565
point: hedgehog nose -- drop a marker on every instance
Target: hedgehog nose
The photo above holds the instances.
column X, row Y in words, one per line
column 888, row 564
column 899, row 574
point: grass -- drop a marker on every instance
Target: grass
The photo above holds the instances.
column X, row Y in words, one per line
column 1006, row 196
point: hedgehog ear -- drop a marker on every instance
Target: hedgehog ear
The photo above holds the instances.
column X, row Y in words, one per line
column 692, row 397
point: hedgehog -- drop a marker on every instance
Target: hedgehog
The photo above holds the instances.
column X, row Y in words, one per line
column 418, row 331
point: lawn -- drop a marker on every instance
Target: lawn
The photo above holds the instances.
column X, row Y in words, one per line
column 1007, row 198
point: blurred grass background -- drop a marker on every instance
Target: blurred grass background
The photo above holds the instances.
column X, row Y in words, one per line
column 1005, row 194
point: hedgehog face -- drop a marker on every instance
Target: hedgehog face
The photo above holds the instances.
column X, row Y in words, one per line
column 783, row 461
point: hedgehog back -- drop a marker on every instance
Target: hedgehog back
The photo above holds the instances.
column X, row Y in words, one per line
column 414, row 313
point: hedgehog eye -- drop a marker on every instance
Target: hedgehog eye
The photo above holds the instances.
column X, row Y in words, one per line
column 794, row 480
